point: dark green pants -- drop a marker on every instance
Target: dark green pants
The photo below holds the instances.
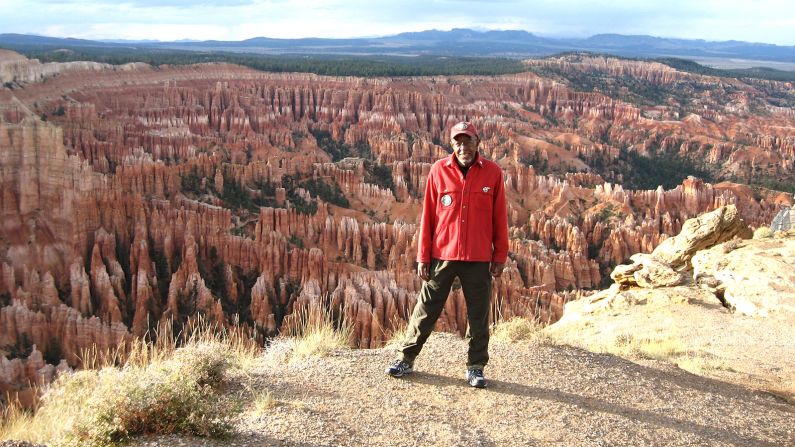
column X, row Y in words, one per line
column 476, row 283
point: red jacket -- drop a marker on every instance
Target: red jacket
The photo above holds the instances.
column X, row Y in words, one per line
column 464, row 219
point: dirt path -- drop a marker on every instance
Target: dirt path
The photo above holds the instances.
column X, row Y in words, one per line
column 537, row 395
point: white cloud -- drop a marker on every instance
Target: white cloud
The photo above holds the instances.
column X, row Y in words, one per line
column 160, row 31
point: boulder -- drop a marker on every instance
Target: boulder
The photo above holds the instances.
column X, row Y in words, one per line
column 702, row 232
column 755, row 279
column 646, row 272
column 660, row 268
column 653, row 273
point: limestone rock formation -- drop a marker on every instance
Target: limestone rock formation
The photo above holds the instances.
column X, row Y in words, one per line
column 721, row 225
column 648, row 272
column 733, row 322
column 17, row 68
column 752, row 277
column 660, row 269
column 148, row 196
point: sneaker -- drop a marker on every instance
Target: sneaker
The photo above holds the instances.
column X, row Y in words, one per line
column 398, row 368
column 475, row 378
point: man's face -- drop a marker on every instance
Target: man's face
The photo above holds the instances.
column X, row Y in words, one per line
column 465, row 148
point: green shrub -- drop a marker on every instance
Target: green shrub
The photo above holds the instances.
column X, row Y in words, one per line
column 666, row 169
column 763, row 233
column 380, row 175
column 237, row 197
column 175, row 396
column 336, row 149
column 191, row 182
column 160, row 389
column 328, row 192
column 296, row 241
column 302, row 206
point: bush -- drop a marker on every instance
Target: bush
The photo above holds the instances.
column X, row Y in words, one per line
column 191, row 182
column 263, row 402
column 380, row 175
column 668, row 170
column 237, row 197
column 302, row 206
column 337, row 150
column 328, row 192
column 762, row 233
column 160, row 389
column 296, row 241
column 174, row 396
column 397, row 336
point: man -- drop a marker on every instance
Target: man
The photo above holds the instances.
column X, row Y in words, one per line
column 464, row 234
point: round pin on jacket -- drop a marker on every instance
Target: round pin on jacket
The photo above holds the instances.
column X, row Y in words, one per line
column 447, row 200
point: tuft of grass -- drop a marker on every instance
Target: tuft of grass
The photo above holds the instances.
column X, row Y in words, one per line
column 145, row 387
column 670, row 348
column 17, row 423
column 520, row 329
column 317, row 334
column 700, row 364
column 763, row 233
column 398, row 334
column 263, row 401
column 626, row 345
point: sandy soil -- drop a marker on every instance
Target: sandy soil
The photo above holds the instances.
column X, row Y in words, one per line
column 537, row 395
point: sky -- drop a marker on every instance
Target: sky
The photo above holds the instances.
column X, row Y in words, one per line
column 767, row 21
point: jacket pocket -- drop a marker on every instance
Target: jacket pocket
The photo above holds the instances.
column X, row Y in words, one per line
column 483, row 201
column 448, row 201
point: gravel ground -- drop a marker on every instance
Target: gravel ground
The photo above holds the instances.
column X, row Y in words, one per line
column 537, row 395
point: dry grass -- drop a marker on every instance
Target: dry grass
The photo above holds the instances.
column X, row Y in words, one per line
column 263, row 401
column 627, row 346
column 701, row 364
column 763, row 233
column 398, row 334
column 783, row 392
column 318, row 334
column 521, row 329
column 163, row 343
column 140, row 388
column 669, row 348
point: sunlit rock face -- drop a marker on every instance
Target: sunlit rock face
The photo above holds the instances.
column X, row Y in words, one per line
column 139, row 196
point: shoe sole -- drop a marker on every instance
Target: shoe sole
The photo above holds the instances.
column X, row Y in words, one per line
column 475, row 385
column 397, row 376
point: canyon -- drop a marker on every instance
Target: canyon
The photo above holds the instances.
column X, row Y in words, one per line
column 134, row 197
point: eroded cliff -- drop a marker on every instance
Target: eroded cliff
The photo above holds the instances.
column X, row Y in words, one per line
column 150, row 195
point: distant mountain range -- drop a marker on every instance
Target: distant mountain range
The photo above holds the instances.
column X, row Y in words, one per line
column 456, row 42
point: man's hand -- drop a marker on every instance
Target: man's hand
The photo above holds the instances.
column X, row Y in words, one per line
column 496, row 269
column 424, row 271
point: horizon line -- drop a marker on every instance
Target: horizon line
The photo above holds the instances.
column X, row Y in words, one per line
column 482, row 31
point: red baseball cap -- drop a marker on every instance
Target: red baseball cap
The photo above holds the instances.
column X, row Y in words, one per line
column 464, row 127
